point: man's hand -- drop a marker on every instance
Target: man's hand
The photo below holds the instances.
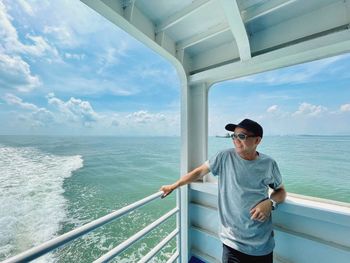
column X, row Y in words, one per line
column 167, row 189
column 261, row 211
column 188, row 178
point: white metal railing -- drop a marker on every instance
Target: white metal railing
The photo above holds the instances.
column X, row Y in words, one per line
column 155, row 250
column 173, row 257
column 52, row 244
column 115, row 251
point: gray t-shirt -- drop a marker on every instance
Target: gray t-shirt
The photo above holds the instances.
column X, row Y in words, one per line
column 242, row 185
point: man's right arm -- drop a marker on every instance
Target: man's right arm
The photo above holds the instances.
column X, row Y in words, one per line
column 192, row 176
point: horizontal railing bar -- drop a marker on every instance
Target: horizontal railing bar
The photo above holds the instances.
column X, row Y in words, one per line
column 158, row 247
column 173, row 257
column 52, row 244
column 118, row 249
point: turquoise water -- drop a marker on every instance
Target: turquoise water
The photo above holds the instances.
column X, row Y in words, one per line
column 101, row 175
column 50, row 185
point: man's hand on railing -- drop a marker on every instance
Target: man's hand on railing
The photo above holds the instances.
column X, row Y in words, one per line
column 167, row 189
column 190, row 177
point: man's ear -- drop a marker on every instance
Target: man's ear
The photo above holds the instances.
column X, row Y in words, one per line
column 257, row 140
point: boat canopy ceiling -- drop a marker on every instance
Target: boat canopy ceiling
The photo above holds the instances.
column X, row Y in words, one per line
column 215, row 40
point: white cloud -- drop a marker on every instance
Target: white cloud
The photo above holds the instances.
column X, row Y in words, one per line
column 115, row 121
column 35, row 115
column 8, row 33
column 75, row 25
column 307, row 109
column 82, row 85
column 50, row 95
column 15, row 72
column 14, row 100
column 112, row 56
column 26, row 7
column 40, row 47
column 75, row 109
column 43, row 116
column 140, row 122
column 345, row 108
column 159, row 74
column 274, row 78
column 144, row 122
column 152, row 72
column 145, row 117
column 77, row 115
column 268, row 96
column 63, row 34
column 294, row 74
column 272, row 109
column 11, row 44
column 74, row 56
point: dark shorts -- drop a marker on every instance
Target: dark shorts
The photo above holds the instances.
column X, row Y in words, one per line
column 230, row 255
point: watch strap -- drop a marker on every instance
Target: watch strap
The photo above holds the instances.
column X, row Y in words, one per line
column 273, row 204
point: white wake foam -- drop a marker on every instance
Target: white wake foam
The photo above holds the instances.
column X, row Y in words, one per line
column 31, row 197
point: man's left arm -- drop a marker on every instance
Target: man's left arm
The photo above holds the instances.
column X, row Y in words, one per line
column 279, row 195
column 262, row 211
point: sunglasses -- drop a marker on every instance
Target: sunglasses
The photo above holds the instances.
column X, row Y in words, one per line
column 240, row 136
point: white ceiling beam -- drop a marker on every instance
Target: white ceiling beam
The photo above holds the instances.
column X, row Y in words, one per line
column 347, row 3
column 129, row 11
column 211, row 32
column 181, row 15
column 237, row 27
column 300, row 27
column 255, row 12
column 322, row 47
column 244, row 4
column 218, row 55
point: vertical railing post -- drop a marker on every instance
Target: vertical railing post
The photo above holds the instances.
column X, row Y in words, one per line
column 182, row 199
column 178, row 224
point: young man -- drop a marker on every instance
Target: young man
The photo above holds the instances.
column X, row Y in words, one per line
column 245, row 175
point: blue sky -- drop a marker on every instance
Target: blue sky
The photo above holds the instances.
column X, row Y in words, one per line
column 65, row 70
column 312, row 98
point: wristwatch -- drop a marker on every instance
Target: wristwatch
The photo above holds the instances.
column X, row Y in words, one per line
column 273, row 204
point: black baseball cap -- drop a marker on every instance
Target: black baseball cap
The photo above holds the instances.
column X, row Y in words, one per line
column 247, row 124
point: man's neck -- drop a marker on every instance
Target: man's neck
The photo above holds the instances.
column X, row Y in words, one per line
column 249, row 156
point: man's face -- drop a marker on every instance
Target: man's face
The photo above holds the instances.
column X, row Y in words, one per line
column 248, row 145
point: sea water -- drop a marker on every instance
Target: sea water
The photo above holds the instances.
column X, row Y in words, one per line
column 51, row 185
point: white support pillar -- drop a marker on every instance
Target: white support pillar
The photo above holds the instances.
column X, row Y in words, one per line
column 182, row 197
column 197, row 124
column 194, row 147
